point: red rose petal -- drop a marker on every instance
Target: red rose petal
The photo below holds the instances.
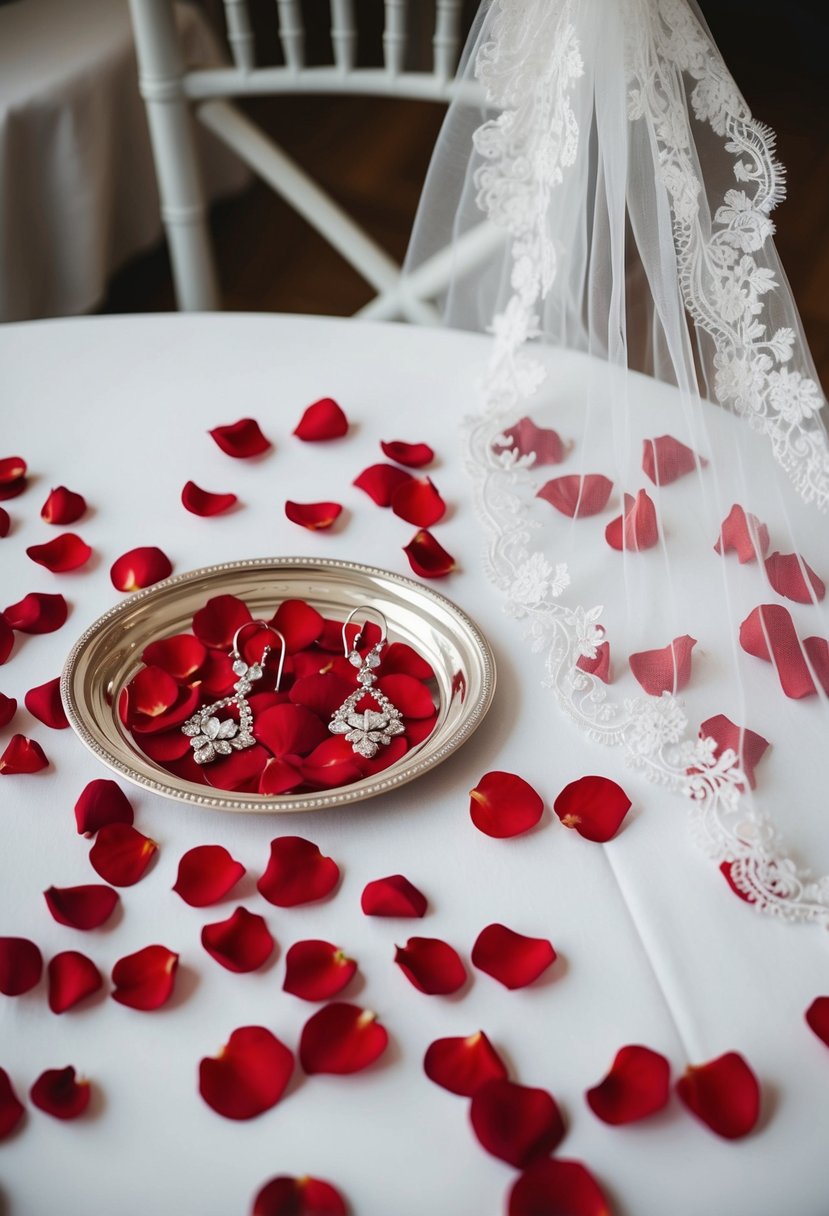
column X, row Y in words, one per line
column 528, row 438
column 101, row 802
column 463, row 1065
column 427, row 557
column 21, row 965
column 418, row 502
column 241, row 943
column 393, row 896
column 5, row 522
column 554, row 1187
column 322, row 420
column 636, row 528
column 205, row 875
column 57, row 1092
column 238, row 771
column 181, row 656
column 794, row 579
column 139, row 568
column 817, row 1018
column 408, row 694
column 204, row 503
column 152, row 693
column 321, row 694
column 638, row 1085
column 431, row 965
column 723, row 1093
column 6, row 639
column 241, row 439
column 503, row 804
column 217, row 622
column 299, row 624
column 749, row 746
column 12, row 1109
column 413, row 455
column 381, row 481
column 665, row 670
column 341, row 1039
column 248, row 1076
column 297, row 873
column 37, row 613
column 145, row 980
column 278, row 777
column 22, row 755
column 66, row 552
column 8, row 708
column 768, row 633
column 84, row 907
column 515, row 1123
column 511, row 958
column 12, row 476
column 577, row 496
column 594, row 806
column 286, row 1196
column 744, row 534
column 332, row 764
column 665, row 460
column 63, row 507
column 121, row 854
column 399, row 659
column 72, row 978
column 598, row 666
column 817, row 652
column 289, row 730
column 44, row 703
column 727, row 871
column 316, row 970
column 385, row 758
column 316, row 516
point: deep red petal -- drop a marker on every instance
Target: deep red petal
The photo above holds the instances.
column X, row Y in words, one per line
column 297, row 873
column 65, row 552
column 817, row 652
column 299, row 624
column 598, row 666
column 216, row 676
column 286, row 1196
column 84, row 907
column 817, row 1018
column 37, row 613
column 248, row 1076
column 341, row 1039
column 528, row 438
column 278, row 777
column 152, row 692
column 391, row 754
column 63, row 507
column 413, row 455
column 403, row 660
column 636, row 528
column 768, row 633
column 217, row 622
column 427, row 557
column 638, row 1085
column 316, row 970
column 289, row 730
column 332, row 764
column 321, row 694
column 554, row 1187
column 22, row 755
column 410, row 696
column 503, row 804
column 577, row 496
column 238, row 771
column 44, row 703
column 393, row 896
column 57, row 1092
column 749, row 746
column 794, row 579
column 723, row 1093
column 241, row 439
column 431, row 965
column 744, row 534
column 11, row 489
column 665, row 460
column 241, row 943
column 21, row 965
column 181, row 656
column 121, row 854
column 5, row 522
column 204, row 502
column 463, row 1065
column 511, row 958
column 8, row 708
column 418, row 502
column 322, row 420
column 665, row 670
column 6, row 639
column 515, row 1123
column 206, row 874
column 72, row 978
column 594, row 806
column 145, row 980
column 316, row 516
column 381, row 481
column 12, row 476
column 139, row 568
column 101, row 802
column 12, row 1109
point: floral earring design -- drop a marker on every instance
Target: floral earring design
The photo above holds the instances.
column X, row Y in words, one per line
column 368, row 730
column 211, row 736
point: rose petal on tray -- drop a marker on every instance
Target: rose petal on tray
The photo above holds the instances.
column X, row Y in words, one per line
column 638, row 1085
column 101, row 801
column 463, row 1065
column 555, row 1186
column 64, row 553
column 341, row 1039
column 749, row 746
column 392, row 896
column 12, row 1109
column 21, row 965
column 636, row 528
column 240, row 771
column 332, row 764
column 317, row 970
column 287, row 1196
column 504, row 804
column 289, row 730
column 8, row 708
column 380, row 481
column 768, row 633
column 321, row 695
column 217, row 622
column 744, row 535
column 427, row 557
column 181, row 656
column 403, row 660
column 322, row 420
column 241, row 439
column 418, row 502
column 315, row 516
column 791, row 577
column 44, row 703
column 241, row 943
column 515, row 1123
column 431, row 965
column 206, row 874
column 527, row 438
column 410, row 696
column 278, row 777
column 413, row 455
column 577, row 496
column 299, row 624
column 665, row 670
column 12, row 477
column 121, row 854
column 83, row 907
column 141, row 567
column 72, row 978
column 205, row 503
column 297, row 873
column 22, row 755
column 249, row 1075
column 599, row 666
column 594, row 806
column 723, row 1093
column 63, row 507
column 37, row 613
column 511, row 958
column 817, row 1018
column 59, row 1093
column 665, row 460
column 144, row 980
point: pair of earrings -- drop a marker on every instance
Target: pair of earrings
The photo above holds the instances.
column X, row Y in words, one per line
column 366, row 731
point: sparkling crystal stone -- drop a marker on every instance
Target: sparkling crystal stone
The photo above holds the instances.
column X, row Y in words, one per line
column 240, row 667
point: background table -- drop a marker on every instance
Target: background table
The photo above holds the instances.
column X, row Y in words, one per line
column 653, row 948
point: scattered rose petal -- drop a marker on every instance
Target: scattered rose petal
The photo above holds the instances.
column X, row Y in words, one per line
column 594, row 806
column 381, row 481
column 410, row 696
column 285, row 1196
column 8, row 708
column 203, row 502
column 278, row 777
column 72, row 978
column 316, row 970
column 503, row 804
column 316, row 516
column 817, row 1018
column 666, row 670
column 321, row 694
column 577, row 496
column 322, row 420
column 248, row 1076
column 515, row 1123
column 57, row 1092
column 749, row 746
column 21, row 965
column 289, row 730
column 63, row 507
column 66, row 552
column 37, row 613
column 794, row 579
column 101, row 802
column 393, row 896
column 341, row 1039
column 206, row 874
column 121, row 854
column 817, row 652
column 297, row 873
column 44, row 703
column 463, row 1065
column 238, row 771
column 12, row 1109
column 598, row 666
column 299, row 624
column 418, row 502
column 22, row 755
column 636, row 528
column 413, row 455
column 665, row 460
column 5, row 522
column 241, row 439
column 511, row 958
column 6, row 639
column 84, row 907
column 181, row 656
column 386, row 757
column 637, row 1085
column 217, row 622
column 332, row 764
column 768, row 633
column 139, row 568
column 527, row 438
column 427, row 557
column 152, row 693
column 144, row 980
column 241, row 943
column 431, row 965
column 402, row 659
column 723, row 1093
column 744, row 534
column 553, row 1187
column 12, row 477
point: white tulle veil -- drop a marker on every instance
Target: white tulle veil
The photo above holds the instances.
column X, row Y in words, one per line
column 608, row 198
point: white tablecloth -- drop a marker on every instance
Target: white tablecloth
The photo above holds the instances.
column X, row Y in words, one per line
column 654, row 948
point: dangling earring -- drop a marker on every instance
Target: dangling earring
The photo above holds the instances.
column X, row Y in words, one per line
column 210, row 736
column 366, row 731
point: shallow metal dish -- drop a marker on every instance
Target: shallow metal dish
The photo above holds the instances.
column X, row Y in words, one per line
column 108, row 655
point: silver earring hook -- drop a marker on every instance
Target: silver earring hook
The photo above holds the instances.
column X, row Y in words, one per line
column 367, row 611
column 270, row 628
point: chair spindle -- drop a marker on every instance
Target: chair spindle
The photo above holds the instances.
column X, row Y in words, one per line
column 343, row 34
column 240, row 34
column 394, row 36
column 292, row 33
column 447, row 35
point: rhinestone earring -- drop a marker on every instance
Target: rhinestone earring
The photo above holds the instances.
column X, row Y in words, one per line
column 369, row 729
column 211, row 736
